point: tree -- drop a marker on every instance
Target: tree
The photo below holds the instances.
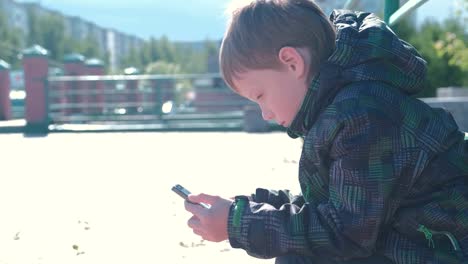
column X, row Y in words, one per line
column 462, row 11
column 454, row 45
column 190, row 58
column 211, row 56
column 444, row 61
column 455, row 50
column 34, row 36
column 154, row 50
column 166, row 50
column 90, row 47
column 10, row 42
column 145, row 54
column 49, row 32
column 163, row 67
column 133, row 59
column 52, row 35
column 180, row 88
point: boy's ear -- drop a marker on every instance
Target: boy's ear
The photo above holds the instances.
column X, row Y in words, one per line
column 292, row 59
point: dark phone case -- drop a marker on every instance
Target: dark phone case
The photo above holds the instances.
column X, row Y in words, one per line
column 181, row 191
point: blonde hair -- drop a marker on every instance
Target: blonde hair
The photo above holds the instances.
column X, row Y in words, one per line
column 258, row 29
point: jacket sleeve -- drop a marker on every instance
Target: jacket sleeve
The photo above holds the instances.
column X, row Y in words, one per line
column 276, row 198
column 363, row 171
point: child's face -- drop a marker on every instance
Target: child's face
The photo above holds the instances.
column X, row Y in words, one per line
column 279, row 93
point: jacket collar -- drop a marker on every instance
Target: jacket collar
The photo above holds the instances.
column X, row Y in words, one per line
column 322, row 90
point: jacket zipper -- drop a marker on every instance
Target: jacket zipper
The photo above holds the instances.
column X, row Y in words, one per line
column 428, row 233
column 307, row 193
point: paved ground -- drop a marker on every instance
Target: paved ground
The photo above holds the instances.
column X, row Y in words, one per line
column 105, row 198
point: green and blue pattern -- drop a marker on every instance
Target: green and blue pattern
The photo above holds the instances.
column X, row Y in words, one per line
column 382, row 173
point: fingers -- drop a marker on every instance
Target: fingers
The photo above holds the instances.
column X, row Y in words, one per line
column 199, row 233
column 194, row 208
column 210, row 224
column 203, row 198
column 194, row 222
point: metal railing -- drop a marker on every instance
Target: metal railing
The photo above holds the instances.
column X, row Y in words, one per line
column 394, row 13
column 392, row 10
column 164, row 101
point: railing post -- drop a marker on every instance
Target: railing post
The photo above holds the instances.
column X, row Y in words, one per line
column 134, row 95
column 96, row 88
column 74, row 66
column 391, row 6
column 5, row 103
column 57, row 94
column 36, row 68
column 157, row 97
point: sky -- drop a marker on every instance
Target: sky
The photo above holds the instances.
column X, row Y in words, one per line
column 180, row 20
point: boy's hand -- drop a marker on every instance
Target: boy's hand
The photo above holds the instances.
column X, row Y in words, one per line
column 209, row 223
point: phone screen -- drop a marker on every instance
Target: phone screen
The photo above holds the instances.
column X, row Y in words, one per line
column 181, row 191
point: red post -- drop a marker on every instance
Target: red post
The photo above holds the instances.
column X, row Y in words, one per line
column 5, row 103
column 74, row 66
column 57, row 95
column 155, row 98
column 135, row 96
column 168, row 88
column 96, row 97
column 36, row 67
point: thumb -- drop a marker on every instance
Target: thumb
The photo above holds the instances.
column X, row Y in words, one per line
column 203, row 198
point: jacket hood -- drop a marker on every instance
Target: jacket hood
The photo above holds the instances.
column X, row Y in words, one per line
column 366, row 50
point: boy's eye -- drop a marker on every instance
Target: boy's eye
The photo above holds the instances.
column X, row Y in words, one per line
column 259, row 96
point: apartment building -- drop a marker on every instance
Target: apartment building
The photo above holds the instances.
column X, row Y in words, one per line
column 16, row 15
column 110, row 41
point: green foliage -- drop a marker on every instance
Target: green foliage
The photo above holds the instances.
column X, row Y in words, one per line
column 88, row 47
column 133, row 59
column 163, row 67
column 444, row 47
column 50, row 35
column 182, row 87
column 48, row 31
column 461, row 10
column 455, row 49
column 10, row 40
column 187, row 58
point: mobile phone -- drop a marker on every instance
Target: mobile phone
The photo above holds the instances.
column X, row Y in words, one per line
column 181, row 191
column 184, row 193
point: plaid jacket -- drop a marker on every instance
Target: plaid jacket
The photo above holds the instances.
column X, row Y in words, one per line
column 381, row 172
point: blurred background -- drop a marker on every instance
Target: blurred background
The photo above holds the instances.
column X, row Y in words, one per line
column 72, row 68
column 187, row 35
column 170, row 50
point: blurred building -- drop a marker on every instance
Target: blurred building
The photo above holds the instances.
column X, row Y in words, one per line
column 15, row 15
column 110, row 41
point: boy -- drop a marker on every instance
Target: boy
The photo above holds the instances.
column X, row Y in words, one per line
column 383, row 176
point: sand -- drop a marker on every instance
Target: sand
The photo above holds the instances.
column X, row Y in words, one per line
column 106, row 198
